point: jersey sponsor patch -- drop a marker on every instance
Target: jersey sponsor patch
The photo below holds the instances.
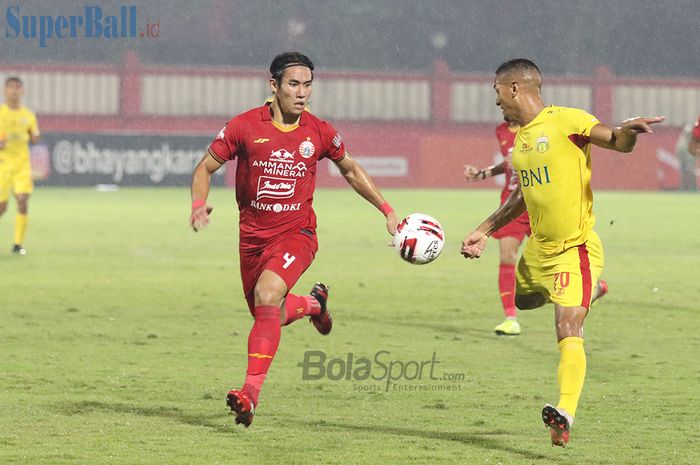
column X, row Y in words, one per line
column 276, row 207
column 282, row 155
column 275, row 188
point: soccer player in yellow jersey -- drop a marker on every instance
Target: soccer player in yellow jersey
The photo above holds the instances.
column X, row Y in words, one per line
column 563, row 259
column 18, row 128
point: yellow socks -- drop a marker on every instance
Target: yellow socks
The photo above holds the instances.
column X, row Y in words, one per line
column 571, row 374
column 20, row 228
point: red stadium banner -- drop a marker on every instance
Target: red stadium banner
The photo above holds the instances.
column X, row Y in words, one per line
column 408, row 157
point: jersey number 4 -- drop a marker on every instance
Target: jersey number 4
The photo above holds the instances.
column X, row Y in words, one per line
column 288, row 260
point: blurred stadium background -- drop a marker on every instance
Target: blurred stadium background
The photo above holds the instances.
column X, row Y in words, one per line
column 408, row 83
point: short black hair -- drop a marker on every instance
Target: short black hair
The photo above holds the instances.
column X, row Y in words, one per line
column 287, row 59
column 519, row 65
column 13, row 79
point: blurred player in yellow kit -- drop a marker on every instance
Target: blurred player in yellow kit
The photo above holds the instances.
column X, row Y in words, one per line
column 563, row 259
column 18, row 129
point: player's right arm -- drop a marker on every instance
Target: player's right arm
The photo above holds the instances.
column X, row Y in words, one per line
column 201, row 182
column 475, row 242
column 472, row 174
column 222, row 149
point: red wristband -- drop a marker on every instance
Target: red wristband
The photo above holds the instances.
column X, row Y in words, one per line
column 386, row 208
column 198, row 203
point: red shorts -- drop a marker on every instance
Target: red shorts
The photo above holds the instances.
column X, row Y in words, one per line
column 288, row 256
column 518, row 228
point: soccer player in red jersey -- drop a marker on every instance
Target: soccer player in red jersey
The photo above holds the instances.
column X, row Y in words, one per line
column 278, row 146
column 511, row 235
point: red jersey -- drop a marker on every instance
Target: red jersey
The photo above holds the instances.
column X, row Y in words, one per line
column 276, row 171
column 696, row 131
column 506, row 139
column 519, row 227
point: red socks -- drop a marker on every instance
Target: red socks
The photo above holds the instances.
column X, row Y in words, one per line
column 506, row 285
column 264, row 337
column 263, row 341
column 299, row 306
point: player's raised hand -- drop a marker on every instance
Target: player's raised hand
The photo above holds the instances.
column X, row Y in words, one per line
column 471, row 173
column 641, row 124
column 474, row 244
column 199, row 219
column 392, row 222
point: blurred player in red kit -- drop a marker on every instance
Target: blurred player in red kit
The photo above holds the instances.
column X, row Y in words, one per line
column 278, row 146
column 694, row 143
column 511, row 235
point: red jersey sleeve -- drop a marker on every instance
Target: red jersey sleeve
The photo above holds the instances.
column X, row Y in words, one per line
column 225, row 146
column 696, row 131
column 335, row 149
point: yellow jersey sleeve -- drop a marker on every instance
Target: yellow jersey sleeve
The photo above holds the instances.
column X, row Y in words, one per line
column 577, row 122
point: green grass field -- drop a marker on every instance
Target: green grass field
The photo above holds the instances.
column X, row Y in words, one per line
column 121, row 332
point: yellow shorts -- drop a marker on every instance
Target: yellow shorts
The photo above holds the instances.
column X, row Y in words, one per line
column 15, row 177
column 567, row 279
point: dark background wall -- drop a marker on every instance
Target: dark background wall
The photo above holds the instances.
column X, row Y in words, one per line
column 631, row 37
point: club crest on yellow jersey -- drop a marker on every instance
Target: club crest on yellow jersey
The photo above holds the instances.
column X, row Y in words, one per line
column 542, row 144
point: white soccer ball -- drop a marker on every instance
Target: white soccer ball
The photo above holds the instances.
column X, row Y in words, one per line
column 419, row 239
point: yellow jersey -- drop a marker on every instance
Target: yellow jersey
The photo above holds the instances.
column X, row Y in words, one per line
column 16, row 126
column 552, row 156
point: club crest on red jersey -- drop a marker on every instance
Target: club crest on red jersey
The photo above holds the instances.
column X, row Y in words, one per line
column 307, row 148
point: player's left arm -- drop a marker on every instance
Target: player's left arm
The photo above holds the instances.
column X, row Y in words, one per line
column 624, row 137
column 474, row 244
column 472, row 174
column 363, row 184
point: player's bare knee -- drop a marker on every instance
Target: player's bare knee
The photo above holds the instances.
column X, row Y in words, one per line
column 529, row 301
column 3, row 207
column 267, row 295
column 22, row 203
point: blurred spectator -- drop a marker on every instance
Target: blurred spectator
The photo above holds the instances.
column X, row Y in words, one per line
column 687, row 149
column 694, row 141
